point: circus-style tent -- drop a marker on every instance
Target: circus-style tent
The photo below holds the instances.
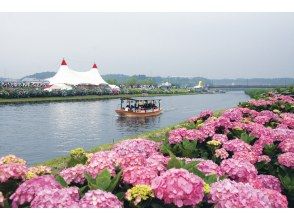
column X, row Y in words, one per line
column 67, row 76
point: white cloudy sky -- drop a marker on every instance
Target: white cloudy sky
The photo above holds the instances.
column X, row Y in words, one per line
column 213, row 45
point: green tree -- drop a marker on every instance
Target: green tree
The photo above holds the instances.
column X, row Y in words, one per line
column 132, row 81
column 112, row 82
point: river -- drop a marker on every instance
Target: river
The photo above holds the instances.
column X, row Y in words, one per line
column 38, row 132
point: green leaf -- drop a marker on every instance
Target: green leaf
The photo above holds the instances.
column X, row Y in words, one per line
column 210, row 179
column 114, row 181
column 165, row 150
column 246, row 138
column 120, row 195
column 197, row 172
column 82, row 190
column 61, row 181
column 103, row 180
column 190, row 165
column 270, row 150
column 174, row 163
column 91, row 181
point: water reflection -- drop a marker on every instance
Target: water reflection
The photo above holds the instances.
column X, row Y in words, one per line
column 135, row 123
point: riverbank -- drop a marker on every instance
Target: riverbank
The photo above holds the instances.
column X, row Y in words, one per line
column 158, row 135
column 259, row 93
column 80, row 98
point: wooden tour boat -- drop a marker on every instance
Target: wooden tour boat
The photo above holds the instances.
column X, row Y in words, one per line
column 139, row 107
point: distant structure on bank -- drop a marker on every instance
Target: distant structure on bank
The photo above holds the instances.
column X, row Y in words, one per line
column 200, row 85
column 165, row 85
column 66, row 77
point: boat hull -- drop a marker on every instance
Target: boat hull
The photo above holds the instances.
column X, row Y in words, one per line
column 124, row 113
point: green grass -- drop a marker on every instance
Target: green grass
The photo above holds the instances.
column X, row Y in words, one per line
column 156, row 135
column 257, row 93
column 79, row 98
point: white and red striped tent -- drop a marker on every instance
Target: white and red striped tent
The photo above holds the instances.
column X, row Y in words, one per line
column 67, row 76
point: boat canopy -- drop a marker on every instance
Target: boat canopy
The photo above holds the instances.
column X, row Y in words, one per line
column 137, row 103
column 139, row 99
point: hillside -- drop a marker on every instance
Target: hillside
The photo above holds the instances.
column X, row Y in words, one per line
column 41, row 75
column 180, row 81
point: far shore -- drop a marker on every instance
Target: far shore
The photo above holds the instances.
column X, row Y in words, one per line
column 81, row 98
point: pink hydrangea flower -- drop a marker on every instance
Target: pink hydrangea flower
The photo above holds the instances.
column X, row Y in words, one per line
column 234, row 114
column 132, row 159
column 259, row 145
column 176, row 136
column 111, row 156
column 158, row 161
column 179, row 187
column 281, row 134
column 269, row 114
column 141, row 146
column 230, row 194
column 266, row 182
column 201, row 135
column 208, row 167
column 287, row 145
column 100, row 161
column 249, row 156
column 287, row 120
column 261, row 102
column 238, row 170
column 236, row 145
column 220, row 137
column 277, row 200
column 57, row 198
column 191, row 135
column 264, row 158
column 99, row 199
column 221, row 153
column 207, row 130
column 249, row 112
column 285, row 98
column 12, row 171
column 262, row 119
column 258, row 130
column 74, row 174
column 139, row 175
column 286, row 159
column 27, row 191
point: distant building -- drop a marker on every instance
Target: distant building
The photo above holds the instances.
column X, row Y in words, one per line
column 165, row 85
column 200, row 85
column 69, row 77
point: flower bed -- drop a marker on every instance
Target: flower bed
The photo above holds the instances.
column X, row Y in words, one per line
column 241, row 158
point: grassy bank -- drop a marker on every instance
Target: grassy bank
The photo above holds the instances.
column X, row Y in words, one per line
column 79, row 98
column 262, row 93
column 155, row 135
column 256, row 93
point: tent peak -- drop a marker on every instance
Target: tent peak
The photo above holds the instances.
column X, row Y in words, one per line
column 63, row 63
column 94, row 66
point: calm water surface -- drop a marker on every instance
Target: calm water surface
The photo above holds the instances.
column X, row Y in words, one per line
column 38, row 132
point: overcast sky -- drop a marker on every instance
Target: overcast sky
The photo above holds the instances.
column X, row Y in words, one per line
column 212, row 45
